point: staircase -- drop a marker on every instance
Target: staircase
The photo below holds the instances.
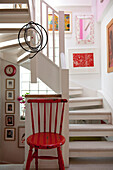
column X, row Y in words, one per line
column 87, row 134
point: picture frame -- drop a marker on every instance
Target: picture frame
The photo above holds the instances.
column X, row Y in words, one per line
column 67, row 19
column 9, row 120
column 21, row 136
column 10, row 94
column 10, row 83
column 9, row 134
column 92, row 67
column 9, row 107
column 85, row 29
column 110, row 46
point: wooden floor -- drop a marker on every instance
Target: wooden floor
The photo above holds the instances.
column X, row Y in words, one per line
column 80, row 164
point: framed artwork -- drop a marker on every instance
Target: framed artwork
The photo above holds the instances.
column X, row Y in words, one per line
column 21, row 137
column 10, row 83
column 9, row 134
column 67, row 22
column 10, row 107
column 10, row 95
column 83, row 61
column 110, row 47
column 9, row 120
column 85, row 29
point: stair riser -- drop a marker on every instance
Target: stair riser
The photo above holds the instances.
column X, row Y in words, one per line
column 90, row 153
column 89, row 117
column 14, row 19
column 90, row 133
column 77, row 92
column 85, row 103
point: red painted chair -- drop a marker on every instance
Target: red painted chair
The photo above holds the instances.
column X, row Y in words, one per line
column 46, row 140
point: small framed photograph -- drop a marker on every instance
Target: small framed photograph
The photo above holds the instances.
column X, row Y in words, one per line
column 9, row 134
column 9, row 120
column 110, row 47
column 10, row 95
column 21, row 137
column 10, row 83
column 10, row 107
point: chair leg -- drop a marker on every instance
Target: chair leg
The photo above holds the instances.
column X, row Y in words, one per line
column 60, row 159
column 36, row 159
column 29, row 159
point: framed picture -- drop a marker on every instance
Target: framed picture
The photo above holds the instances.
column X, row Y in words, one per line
column 9, row 120
column 83, row 61
column 21, row 137
column 10, row 83
column 9, row 134
column 85, row 29
column 10, row 107
column 110, row 47
column 67, row 22
column 10, row 95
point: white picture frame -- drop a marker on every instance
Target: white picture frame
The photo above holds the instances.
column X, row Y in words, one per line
column 83, row 70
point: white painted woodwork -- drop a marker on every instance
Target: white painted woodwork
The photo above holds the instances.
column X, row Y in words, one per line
column 16, row 45
column 14, row 18
column 85, row 101
column 65, row 95
column 91, row 149
column 48, row 72
column 75, row 91
column 90, row 114
column 13, row 1
column 31, row 9
column 90, row 130
column 61, row 35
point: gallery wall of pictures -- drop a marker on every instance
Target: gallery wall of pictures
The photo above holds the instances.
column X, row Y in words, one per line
column 13, row 137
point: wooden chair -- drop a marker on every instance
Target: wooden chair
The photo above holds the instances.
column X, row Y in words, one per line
column 46, row 139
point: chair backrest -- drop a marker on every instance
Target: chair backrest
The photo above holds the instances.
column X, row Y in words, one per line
column 56, row 107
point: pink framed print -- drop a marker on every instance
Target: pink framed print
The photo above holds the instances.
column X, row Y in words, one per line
column 85, row 29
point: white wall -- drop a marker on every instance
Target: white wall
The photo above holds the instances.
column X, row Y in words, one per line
column 107, row 78
column 89, row 80
column 9, row 149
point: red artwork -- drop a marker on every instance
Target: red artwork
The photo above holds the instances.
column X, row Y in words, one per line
column 83, row 60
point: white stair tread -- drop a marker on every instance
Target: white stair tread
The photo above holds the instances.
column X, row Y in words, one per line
column 92, row 145
column 88, row 127
column 79, row 99
column 90, row 111
column 75, row 88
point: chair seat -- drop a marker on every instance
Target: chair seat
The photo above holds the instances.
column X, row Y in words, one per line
column 45, row 140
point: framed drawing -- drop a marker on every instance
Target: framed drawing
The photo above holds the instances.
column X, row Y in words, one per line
column 110, row 47
column 10, row 83
column 9, row 120
column 10, row 95
column 67, row 22
column 9, row 134
column 9, row 107
column 83, row 61
column 21, row 137
column 85, row 29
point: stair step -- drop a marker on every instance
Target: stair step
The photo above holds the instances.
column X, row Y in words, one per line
column 14, row 16
column 91, row 149
column 90, row 130
column 12, row 1
column 85, row 101
column 9, row 30
column 13, row 11
column 90, row 114
column 73, row 91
